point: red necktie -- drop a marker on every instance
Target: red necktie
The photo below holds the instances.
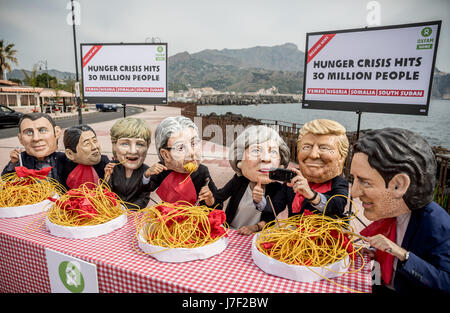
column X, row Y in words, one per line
column 82, row 174
column 22, row 171
column 176, row 187
column 388, row 228
column 299, row 199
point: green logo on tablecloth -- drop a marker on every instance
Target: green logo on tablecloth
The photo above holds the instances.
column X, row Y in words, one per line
column 71, row 277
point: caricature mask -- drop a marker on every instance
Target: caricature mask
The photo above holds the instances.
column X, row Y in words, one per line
column 81, row 145
column 255, row 151
column 322, row 147
column 38, row 136
column 392, row 166
column 182, row 147
column 178, row 143
column 130, row 139
column 258, row 159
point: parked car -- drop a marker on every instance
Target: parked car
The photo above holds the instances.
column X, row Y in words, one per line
column 8, row 116
column 106, row 107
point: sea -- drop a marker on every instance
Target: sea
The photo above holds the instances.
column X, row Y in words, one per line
column 435, row 127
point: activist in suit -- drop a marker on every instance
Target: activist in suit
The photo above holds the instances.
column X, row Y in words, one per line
column 394, row 177
column 39, row 136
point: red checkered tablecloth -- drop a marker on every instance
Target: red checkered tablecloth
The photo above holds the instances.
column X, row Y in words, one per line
column 121, row 267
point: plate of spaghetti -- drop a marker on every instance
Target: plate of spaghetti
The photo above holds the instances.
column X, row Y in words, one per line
column 305, row 248
column 181, row 232
column 88, row 211
column 26, row 192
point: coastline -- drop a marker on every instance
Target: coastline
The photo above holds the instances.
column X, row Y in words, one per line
column 248, row 99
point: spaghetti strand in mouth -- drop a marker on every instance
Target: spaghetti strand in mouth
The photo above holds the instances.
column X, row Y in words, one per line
column 190, row 167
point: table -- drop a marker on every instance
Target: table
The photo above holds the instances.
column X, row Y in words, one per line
column 122, row 267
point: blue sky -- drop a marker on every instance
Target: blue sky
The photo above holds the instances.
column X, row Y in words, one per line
column 39, row 29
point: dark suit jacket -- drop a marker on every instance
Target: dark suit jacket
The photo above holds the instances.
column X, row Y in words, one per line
column 235, row 188
column 130, row 189
column 335, row 208
column 427, row 238
column 56, row 160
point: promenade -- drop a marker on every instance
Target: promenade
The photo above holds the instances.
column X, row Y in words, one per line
column 215, row 158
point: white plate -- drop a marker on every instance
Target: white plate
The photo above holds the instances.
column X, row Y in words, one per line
column 297, row 272
column 24, row 210
column 177, row 255
column 89, row 231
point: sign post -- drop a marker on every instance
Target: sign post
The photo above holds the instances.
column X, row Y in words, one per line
column 381, row 69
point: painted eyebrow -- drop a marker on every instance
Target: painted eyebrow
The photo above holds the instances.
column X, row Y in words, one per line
column 363, row 178
column 89, row 139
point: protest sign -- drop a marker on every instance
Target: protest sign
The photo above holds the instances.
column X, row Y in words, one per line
column 124, row 73
column 382, row 69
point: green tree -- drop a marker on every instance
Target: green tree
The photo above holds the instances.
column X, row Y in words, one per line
column 31, row 79
column 42, row 80
column 7, row 55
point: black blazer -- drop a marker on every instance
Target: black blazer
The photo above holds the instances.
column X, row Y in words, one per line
column 130, row 189
column 235, row 188
column 56, row 160
column 198, row 179
column 427, row 238
column 285, row 196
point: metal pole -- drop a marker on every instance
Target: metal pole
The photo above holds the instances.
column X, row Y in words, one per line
column 46, row 69
column 359, row 123
column 80, row 117
column 357, row 137
column 124, row 109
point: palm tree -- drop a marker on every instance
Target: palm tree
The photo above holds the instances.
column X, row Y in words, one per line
column 7, row 55
column 31, row 79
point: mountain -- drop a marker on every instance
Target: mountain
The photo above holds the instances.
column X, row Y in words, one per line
column 250, row 69
column 245, row 70
column 285, row 57
column 240, row 70
column 188, row 70
column 17, row 74
column 441, row 85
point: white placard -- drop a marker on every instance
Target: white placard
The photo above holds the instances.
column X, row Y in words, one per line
column 70, row 275
column 77, row 89
column 124, row 73
column 384, row 69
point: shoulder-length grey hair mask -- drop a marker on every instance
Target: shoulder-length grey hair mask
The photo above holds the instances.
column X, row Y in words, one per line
column 169, row 126
column 253, row 135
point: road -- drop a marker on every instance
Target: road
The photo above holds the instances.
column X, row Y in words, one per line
column 90, row 118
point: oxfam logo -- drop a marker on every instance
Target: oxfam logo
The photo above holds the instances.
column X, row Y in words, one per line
column 160, row 49
column 70, row 275
column 426, row 31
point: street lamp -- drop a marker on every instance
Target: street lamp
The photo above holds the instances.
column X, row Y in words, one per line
column 40, row 63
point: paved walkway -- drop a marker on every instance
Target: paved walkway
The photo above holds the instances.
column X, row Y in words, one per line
column 215, row 158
